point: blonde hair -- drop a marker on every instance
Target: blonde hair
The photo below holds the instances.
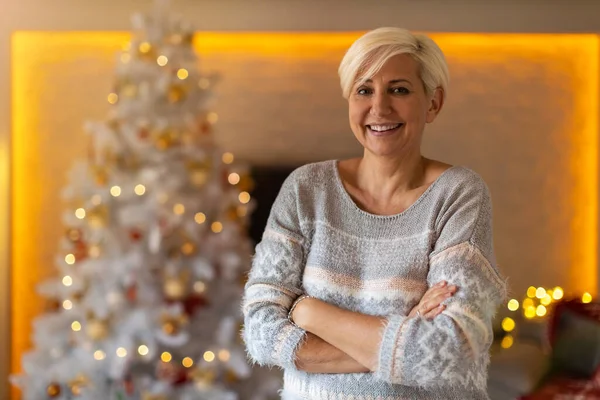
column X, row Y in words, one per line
column 368, row 53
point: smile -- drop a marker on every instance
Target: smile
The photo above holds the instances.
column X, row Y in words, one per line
column 383, row 130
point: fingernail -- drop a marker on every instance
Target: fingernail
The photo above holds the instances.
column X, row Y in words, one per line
column 442, row 283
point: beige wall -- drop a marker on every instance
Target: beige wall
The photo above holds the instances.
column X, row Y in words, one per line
column 342, row 15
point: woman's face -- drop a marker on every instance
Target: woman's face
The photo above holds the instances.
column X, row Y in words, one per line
column 388, row 112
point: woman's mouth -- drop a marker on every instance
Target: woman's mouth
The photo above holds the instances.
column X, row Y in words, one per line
column 384, row 129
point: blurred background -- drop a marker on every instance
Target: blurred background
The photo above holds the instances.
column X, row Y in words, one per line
column 522, row 111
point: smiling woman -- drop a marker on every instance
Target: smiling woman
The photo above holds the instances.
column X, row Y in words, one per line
column 376, row 276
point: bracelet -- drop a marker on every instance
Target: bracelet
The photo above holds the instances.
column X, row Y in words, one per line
column 298, row 300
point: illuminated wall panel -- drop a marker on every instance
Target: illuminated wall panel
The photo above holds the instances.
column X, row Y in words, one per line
column 522, row 110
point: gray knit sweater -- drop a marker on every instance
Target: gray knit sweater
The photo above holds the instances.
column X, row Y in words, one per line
column 319, row 242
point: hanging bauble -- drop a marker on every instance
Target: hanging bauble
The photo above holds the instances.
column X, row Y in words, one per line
column 170, row 328
column 76, row 385
column 53, row 390
column 176, row 93
column 188, row 248
column 97, row 329
column 175, row 288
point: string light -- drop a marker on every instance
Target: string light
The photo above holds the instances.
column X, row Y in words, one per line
column 145, row 47
column 182, row 73
column 540, row 311
column 115, row 191
column 586, row 298
column 546, row 300
column 143, row 350
column 234, row 178
column 530, row 312
column 76, row 326
column 228, row 158
column 166, row 356
column 67, row 280
column 216, row 227
column 121, row 352
column 540, row 293
column 244, row 197
column 187, row 362
column 507, row 342
column 70, row 259
column 209, row 356
column 80, row 213
column 508, row 324
column 99, row 355
column 162, row 60
column 113, row 98
column 513, row 305
column 557, row 293
column 200, row 218
column 179, row 209
column 199, row 287
column 224, row 355
column 531, row 292
column 67, row 304
column 139, row 189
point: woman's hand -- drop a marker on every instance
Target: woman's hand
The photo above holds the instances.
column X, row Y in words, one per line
column 431, row 305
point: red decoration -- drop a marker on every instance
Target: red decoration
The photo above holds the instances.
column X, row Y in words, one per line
column 135, row 234
column 128, row 385
column 131, row 293
column 143, row 133
column 191, row 304
column 172, row 373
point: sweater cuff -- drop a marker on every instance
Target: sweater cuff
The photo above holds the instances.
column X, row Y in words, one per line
column 289, row 339
column 390, row 349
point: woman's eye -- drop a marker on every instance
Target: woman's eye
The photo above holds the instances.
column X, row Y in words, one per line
column 363, row 91
column 400, row 90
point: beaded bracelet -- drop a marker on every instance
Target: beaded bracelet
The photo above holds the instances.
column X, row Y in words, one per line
column 298, row 300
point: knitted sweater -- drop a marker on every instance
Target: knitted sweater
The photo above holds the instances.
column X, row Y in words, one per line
column 317, row 241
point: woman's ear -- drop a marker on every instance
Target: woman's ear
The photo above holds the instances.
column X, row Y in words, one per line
column 435, row 105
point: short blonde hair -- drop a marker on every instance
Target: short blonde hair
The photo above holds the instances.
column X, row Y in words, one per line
column 368, row 53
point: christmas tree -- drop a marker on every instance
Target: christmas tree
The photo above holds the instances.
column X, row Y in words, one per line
column 147, row 303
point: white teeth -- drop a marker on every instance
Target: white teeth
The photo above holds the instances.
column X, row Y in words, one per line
column 381, row 128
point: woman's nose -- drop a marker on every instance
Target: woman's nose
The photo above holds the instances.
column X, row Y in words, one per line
column 380, row 106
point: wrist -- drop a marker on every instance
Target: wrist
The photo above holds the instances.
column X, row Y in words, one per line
column 299, row 312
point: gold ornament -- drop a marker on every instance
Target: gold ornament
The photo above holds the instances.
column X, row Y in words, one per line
column 188, row 248
column 76, row 385
column 97, row 329
column 176, row 93
column 170, row 328
column 53, row 389
column 175, row 288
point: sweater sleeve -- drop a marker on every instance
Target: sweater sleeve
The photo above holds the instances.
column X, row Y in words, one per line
column 453, row 348
column 274, row 282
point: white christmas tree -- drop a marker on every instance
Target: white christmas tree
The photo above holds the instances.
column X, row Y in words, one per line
column 155, row 251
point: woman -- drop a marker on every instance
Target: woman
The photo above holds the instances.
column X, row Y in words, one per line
column 345, row 284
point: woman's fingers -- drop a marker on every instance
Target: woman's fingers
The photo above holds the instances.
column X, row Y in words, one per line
column 435, row 312
column 434, row 298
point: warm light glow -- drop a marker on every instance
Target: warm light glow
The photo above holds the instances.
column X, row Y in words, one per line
column 216, row 227
column 531, row 292
column 540, row 293
column 139, row 189
column 209, row 356
column 166, row 357
column 200, row 218
column 558, row 293
column 530, row 312
column 70, row 259
column 178, row 209
column 228, row 158
column 143, row 350
column 80, row 213
column 199, row 287
column 182, row 73
column 67, row 280
column 507, row 342
column 224, row 355
column 212, row 117
column 203, row 83
column 76, row 326
column 162, row 60
column 244, row 197
column 513, row 305
column 574, row 56
column 508, row 324
column 540, row 311
column 187, row 362
column 145, row 47
column 234, row 178
column 125, row 58
column 94, row 251
column 113, row 98
column 121, row 352
column 528, row 303
column 546, row 300
column 115, row 191
column 99, row 355
column 96, row 199
column 67, row 304
column 586, row 298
